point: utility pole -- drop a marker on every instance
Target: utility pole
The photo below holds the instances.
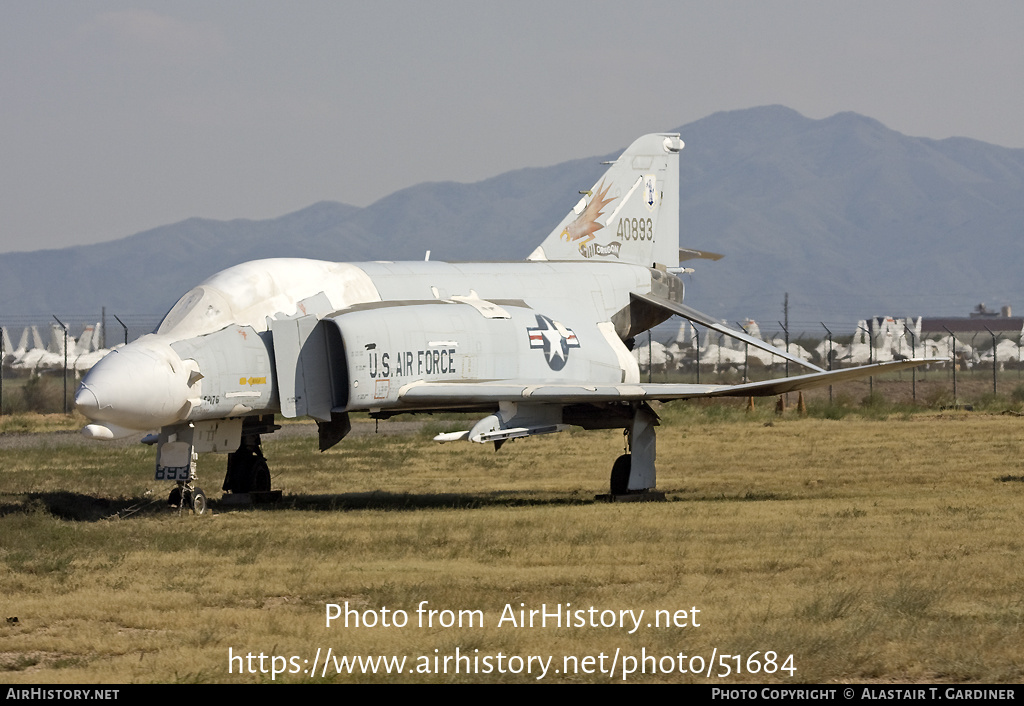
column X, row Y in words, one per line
column 785, row 314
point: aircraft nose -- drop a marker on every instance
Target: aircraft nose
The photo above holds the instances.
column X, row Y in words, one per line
column 138, row 387
column 86, row 401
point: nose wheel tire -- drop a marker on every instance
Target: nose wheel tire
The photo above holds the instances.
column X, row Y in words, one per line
column 196, row 499
column 182, row 498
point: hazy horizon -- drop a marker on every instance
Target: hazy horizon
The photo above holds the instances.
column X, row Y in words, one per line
column 125, row 116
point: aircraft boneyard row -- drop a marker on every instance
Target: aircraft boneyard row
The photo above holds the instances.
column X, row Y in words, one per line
column 32, row 355
column 533, row 347
column 882, row 339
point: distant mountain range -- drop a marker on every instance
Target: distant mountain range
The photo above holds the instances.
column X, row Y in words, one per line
column 850, row 218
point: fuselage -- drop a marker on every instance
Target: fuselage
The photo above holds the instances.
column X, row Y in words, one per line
column 300, row 337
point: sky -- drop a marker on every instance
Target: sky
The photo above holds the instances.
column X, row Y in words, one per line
column 118, row 117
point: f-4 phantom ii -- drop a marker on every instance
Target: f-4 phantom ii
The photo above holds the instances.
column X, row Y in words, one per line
column 534, row 346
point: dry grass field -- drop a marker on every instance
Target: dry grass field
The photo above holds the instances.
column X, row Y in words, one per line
column 874, row 548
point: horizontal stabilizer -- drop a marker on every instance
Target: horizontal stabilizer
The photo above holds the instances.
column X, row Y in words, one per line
column 708, row 322
column 688, row 254
column 779, row 386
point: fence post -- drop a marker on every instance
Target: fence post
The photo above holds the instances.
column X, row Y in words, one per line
column 952, row 355
column 871, row 361
column 993, row 359
column 913, row 371
column 63, row 326
column 696, row 337
column 829, row 358
column 124, row 327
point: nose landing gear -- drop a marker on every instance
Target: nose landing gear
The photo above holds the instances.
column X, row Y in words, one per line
column 185, row 496
column 176, row 461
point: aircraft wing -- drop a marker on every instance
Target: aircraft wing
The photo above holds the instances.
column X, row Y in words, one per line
column 442, row 393
column 711, row 323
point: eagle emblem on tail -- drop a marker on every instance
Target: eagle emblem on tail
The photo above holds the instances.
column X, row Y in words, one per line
column 585, row 225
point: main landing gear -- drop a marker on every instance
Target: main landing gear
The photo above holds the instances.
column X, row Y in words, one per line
column 248, row 471
column 633, row 476
column 247, row 480
column 620, row 474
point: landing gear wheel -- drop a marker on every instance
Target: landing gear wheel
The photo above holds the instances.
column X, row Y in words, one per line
column 198, row 501
column 620, row 474
column 174, row 499
column 247, row 470
column 261, row 477
column 194, row 499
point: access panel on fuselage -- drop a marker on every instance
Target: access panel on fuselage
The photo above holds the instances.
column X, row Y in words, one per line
column 236, row 375
column 309, row 361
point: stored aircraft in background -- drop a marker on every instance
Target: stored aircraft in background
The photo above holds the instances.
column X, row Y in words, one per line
column 534, row 346
column 32, row 356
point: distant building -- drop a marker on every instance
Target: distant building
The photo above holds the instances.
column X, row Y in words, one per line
column 981, row 320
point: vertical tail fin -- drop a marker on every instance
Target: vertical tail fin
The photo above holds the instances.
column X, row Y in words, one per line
column 23, row 345
column 632, row 213
column 6, row 342
column 56, row 339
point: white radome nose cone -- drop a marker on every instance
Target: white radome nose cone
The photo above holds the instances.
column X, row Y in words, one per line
column 138, row 387
column 85, row 401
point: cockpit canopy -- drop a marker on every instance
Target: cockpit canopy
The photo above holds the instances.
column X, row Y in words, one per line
column 253, row 293
column 202, row 308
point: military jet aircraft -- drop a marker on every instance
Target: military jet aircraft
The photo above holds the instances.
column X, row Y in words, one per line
column 534, row 346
